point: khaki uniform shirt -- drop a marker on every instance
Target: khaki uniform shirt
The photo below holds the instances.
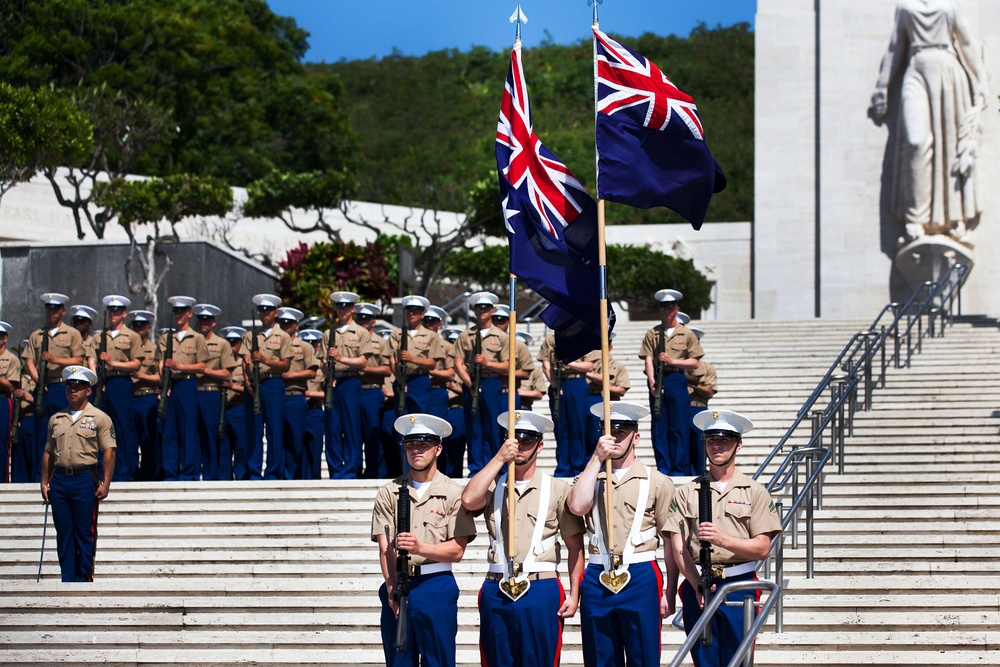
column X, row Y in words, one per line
column 303, row 358
column 626, row 497
column 28, row 385
column 66, row 343
column 536, row 382
column 317, row 383
column 744, row 509
column 617, row 377
column 80, row 442
column 352, row 340
column 378, row 355
column 423, row 344
column 126, row 345
column 437, row 518
column 220, row 356
column 276, row 345
column 236, row 380
column 558, row 519
column 147, row 366
column 10, row 369
column 704, row 374
column 494, row 349
column 547, row 352
column 681, row 344
column 191, row 350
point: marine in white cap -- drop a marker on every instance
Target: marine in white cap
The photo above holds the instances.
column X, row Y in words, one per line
column 668, row 350
column 347, row 346
column 481, row 348
column 641, row 500
column 703, row 384
column 145, row 386
column 57, row 345
column 523, row 363
column 77, row 467
column 439, row 530
column 744, row 521
column 273, row 356
column 302, row 370
column 82, row 319
column 215, row 457
column 115, row 355
column 233, row 450
column 530, row 631
column 10, row 381
column 314, row 424
column 181, row 443
column 376, row 397
column 425, row 351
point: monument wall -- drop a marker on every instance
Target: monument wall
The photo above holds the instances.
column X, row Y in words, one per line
column 825, row 239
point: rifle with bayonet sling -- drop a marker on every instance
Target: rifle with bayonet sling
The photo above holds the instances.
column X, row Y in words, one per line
column 404, row 338
column 42, row 371
column 328, row 387
column 661, row 343
column 705, row 554
column 556, row 388
column 254, row 349
column 168, row 373
column 402, row 590
column 477, row 372
column 102, row 368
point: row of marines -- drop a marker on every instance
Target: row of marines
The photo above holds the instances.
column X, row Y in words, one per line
column 623, row 596
column 334, row 391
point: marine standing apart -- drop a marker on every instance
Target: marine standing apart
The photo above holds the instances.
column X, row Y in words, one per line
column 440, row 528
column 77, row 467
column 744, row 521
column 65, row 348
column 623, row 603
column 522, row 624
column 671, row 431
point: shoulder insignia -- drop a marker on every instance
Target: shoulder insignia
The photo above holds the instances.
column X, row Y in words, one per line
column 772, row 509
column 673, row 505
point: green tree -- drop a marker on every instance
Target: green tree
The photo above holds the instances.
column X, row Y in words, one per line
column 38, row 130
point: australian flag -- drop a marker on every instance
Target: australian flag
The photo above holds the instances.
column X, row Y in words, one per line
column 551, row 225
column 651, row 146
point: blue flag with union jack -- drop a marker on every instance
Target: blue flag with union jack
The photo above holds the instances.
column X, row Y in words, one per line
column 551, row 224
column 651, row 148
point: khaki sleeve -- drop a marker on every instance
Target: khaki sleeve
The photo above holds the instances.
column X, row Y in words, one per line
column 675, row 515
column 463, row 523
column 364, row 343
column 664, row 500
column 31, row 350
column 285, row 351
column 438, row 351
column 161, row 347
column 569, row 523
column 309, row 360
column 524, row 361
column 106, row 438
column 227, row 359
column 384, row 514
column 764, row 514
column 135, row 351
column 201, row 349
column 76, row 343
column 14, row 372
column 648, row 347
column 694, row 347
column 50, row 441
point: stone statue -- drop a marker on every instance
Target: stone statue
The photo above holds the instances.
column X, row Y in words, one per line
column 939, row 69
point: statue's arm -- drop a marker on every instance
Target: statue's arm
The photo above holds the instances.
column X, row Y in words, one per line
column 892, row 62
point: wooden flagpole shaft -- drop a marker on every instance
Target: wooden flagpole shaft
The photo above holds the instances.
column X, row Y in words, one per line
column 511, row 421
column 602, row 259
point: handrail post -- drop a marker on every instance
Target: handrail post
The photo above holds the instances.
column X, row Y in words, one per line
column 881, row 376
column 748, row 609
column 809, row 521
column 779, row 573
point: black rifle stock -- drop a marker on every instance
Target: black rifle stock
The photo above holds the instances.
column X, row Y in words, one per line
column 477, row 371
column 328, row 385
column 42, row 372
column 661, row 345
column 168, row 373
column 404, row 339
column 402, row 591
column 254, row 349
column 705, row 554
column 556, row 389
column 102, row 368
column 15, row 421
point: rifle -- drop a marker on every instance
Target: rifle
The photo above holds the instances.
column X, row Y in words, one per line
column 402, row 591
column 168, row 373
column 658, row 389
column 705, row 555
column 15, row 422
column 254, row 349
column 556, row 388
column 42, row 371
column 404, row 339
column 477, row 373
column 223, row 392
column 102, row 369
column 328, row 388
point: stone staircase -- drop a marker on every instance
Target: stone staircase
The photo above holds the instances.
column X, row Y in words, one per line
column 284, row 573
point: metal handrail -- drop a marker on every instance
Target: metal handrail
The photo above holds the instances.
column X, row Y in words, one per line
column 718, row 598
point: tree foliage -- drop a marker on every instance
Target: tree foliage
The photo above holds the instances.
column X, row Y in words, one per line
column 428, row 124
column 38, row 130
column 309, row 274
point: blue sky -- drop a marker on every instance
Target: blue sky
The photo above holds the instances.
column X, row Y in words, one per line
column 362, row 29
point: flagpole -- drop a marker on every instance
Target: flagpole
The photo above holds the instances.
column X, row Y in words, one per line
column 511, row 422
column 602, row 261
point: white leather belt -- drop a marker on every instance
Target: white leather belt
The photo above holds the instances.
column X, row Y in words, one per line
column 501, row 568
column 434, row 568
column 642, row 557
column 733, row 570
